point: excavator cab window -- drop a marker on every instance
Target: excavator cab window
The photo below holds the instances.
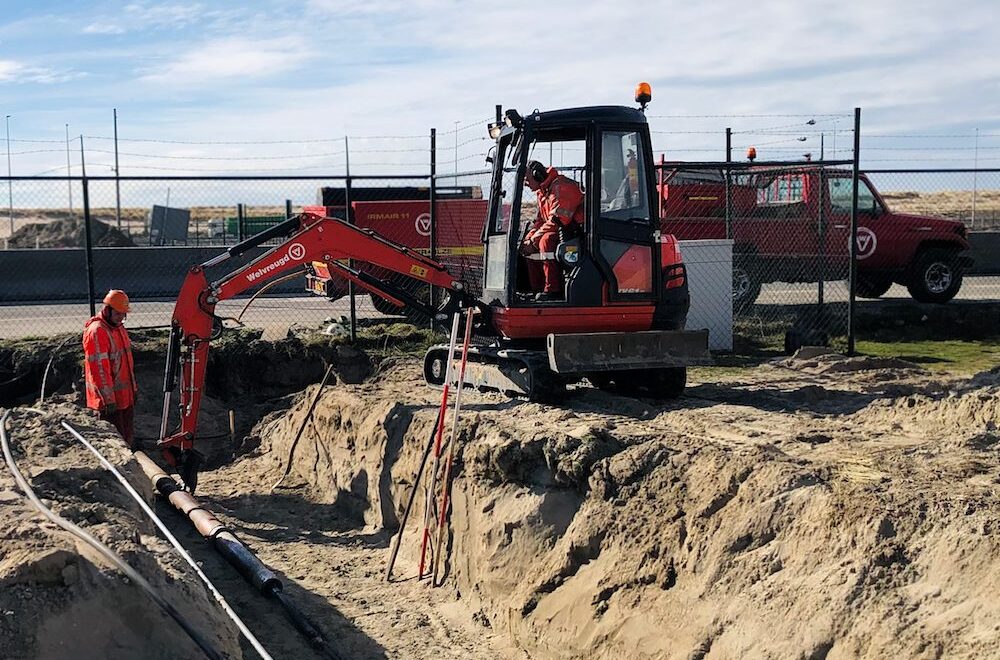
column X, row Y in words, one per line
column 623, row 188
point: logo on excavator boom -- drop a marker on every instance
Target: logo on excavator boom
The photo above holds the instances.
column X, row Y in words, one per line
column 296, row 252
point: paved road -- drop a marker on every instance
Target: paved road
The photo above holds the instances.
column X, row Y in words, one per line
column 781, row 293
column 276, row 314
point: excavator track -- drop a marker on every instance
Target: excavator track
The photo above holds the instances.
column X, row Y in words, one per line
column 516, row 373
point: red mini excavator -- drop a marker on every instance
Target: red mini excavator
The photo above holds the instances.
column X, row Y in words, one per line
column 620, row 322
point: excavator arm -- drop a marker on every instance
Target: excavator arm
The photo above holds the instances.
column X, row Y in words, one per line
column 309, row 237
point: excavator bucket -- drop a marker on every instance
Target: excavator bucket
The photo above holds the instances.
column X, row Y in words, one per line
column 613, row 351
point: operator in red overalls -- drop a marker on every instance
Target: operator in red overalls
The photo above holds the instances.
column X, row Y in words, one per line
column 108, row 369
column 560, row 206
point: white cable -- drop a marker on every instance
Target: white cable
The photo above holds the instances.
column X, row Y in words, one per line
column 174, row 542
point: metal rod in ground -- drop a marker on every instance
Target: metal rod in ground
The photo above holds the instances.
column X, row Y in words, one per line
column 302, row 427
column 439, row 433
column 97, row 545
column 235, row 552
column 452, row 441
column 254, row 642
column 397, row 539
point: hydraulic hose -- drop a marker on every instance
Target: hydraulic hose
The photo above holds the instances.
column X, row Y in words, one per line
column 173, row 541
column 105, row 551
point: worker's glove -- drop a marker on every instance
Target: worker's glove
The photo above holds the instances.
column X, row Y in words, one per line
column 528, row 248
column 110, row 408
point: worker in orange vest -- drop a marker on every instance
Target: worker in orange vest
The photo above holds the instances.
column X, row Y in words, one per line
column 108, row 370
column 560, row 207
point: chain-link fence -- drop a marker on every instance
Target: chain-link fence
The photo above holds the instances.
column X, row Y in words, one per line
column 923, row 237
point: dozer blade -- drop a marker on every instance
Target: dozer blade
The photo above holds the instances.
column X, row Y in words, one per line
column 614, row 351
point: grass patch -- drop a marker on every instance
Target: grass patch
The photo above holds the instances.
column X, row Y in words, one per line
column 945, row 355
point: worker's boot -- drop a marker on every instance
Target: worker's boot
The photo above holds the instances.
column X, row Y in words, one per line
column 548, row 296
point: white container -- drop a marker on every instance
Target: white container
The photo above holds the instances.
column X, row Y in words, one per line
column 710, row 282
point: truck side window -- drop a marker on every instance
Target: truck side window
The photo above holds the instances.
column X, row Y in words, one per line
column 841, row 190
column 623, row 180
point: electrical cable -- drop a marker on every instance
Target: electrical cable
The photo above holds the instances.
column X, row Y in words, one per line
column 173, row 541
column 52, row 356
column 97, row 545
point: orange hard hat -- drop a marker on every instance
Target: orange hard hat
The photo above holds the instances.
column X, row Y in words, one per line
column 117, row 300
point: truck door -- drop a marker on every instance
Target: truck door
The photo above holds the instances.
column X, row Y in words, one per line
column 838, row 225
column 623, row 241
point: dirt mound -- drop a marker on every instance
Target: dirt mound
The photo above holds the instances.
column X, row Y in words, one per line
column 612, row 527
column 68, row 233
column 58, row 597
column 823, row 361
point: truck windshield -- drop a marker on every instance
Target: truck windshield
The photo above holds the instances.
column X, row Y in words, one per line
column 623, row 177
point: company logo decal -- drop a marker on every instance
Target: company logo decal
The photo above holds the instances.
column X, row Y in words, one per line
column 867, row 242
column 423, row 224
column 296, row 252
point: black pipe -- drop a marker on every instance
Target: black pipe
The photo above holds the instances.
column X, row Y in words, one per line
column 242, row 558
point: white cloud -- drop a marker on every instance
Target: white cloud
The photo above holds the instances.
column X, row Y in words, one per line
column 12, row 71
column 235, row 59
column 103, row 28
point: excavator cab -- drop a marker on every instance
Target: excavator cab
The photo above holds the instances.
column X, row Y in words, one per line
column 615, row 276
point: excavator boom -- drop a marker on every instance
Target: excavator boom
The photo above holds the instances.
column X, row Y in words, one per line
column 308, row 237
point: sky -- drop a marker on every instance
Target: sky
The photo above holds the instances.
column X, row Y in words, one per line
column 275, row 86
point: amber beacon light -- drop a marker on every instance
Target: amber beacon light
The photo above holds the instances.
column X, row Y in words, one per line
column 643, row 94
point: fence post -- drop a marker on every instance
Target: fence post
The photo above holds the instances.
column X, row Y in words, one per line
column 239, row 223
column 853, row 248
column 821, row 233
column 729, row 204
column 433, row 199
column 351, row 293
column 90, row 246
column 288, row 208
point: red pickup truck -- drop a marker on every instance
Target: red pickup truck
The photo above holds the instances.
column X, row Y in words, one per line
column 793, row 225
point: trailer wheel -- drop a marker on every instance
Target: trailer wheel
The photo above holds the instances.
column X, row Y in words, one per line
column 935, row 276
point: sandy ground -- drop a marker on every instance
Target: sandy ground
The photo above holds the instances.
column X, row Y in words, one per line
column 817, row 507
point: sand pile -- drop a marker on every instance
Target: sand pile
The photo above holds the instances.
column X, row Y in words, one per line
column 614, row 527
column 58, row 597
column 68, row 233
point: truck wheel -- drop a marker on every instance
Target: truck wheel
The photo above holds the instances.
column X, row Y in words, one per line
column 935, row 276
column 746, row 286
column 872, row 287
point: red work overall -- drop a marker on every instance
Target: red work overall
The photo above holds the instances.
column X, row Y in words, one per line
column 560, row 204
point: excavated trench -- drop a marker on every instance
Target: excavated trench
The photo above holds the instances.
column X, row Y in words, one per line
column 828, row 507
column 820, row 507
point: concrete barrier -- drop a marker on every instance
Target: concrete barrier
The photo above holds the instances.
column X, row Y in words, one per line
column 985, row 250
column 144, row 272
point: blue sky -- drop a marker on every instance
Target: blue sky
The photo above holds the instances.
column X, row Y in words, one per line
column 311, row 72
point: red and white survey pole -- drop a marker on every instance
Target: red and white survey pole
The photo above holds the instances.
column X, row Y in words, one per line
column 429, row 491
column 452, row 441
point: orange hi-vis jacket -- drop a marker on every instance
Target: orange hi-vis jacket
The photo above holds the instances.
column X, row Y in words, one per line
column 108, row 369
column 560, row 204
